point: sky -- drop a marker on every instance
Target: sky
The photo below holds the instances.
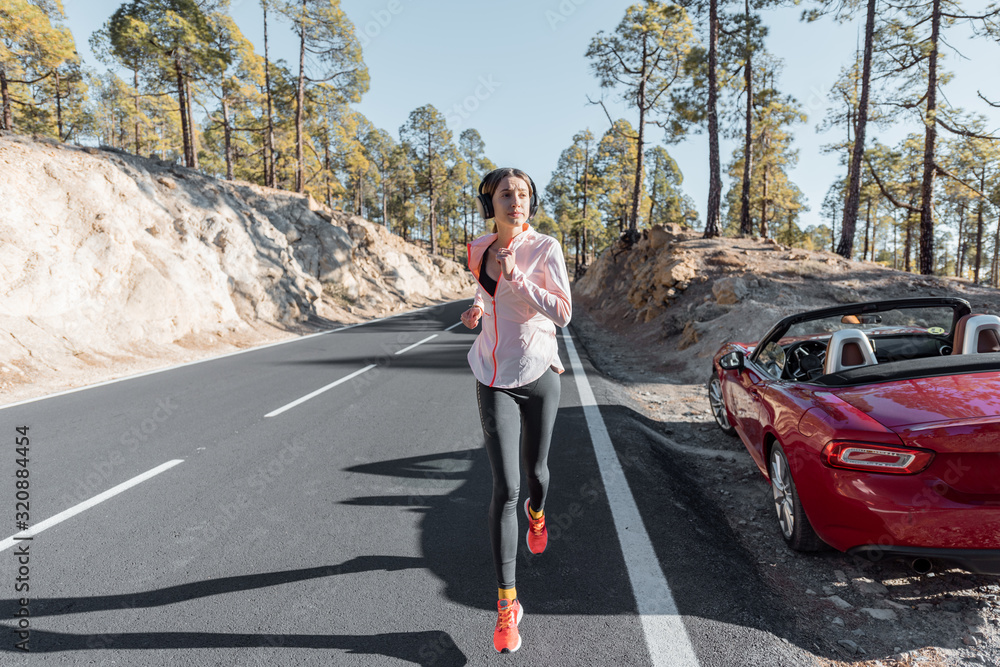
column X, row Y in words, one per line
column 516, row 71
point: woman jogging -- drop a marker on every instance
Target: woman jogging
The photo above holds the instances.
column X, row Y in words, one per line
column 522, row 295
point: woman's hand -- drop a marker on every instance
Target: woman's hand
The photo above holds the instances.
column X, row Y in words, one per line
column 470, row 318
column 506, row 258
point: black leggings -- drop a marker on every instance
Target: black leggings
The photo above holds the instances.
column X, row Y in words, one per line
column 520, row 415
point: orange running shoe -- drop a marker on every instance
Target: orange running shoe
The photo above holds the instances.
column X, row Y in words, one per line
column 506, row 638
column 538, row 534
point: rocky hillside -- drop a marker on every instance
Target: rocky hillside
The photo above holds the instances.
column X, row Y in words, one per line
column 674, row 297
column 111, row 263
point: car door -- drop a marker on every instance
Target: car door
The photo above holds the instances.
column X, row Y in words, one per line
column 746, row 397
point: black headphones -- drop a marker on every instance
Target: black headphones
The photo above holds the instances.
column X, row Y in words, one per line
column 484, row 202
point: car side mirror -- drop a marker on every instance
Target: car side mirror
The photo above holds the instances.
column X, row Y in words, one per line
column 732, row 361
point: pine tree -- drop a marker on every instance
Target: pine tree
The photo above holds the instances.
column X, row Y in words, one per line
column 573, row 188
column 33, row 46
column 769, row 194
column 379, row 146
column 917, row 33
column 236, row 88
column 845, row 10
column 614, row 165
column 472, row 150
column 668, row 203
column 429, row 140
column 645, row 57
column 703, row 69
column 327, row 35
column 176, row 37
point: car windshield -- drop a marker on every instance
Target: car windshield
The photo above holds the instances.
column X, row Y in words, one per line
column 934, row 320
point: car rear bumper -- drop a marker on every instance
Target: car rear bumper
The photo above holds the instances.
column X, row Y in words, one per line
column 981, row 561
column 850, row 509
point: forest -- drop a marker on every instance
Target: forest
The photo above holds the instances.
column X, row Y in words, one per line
column 181, row 83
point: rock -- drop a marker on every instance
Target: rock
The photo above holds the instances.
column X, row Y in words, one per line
column 727, row 259
column 689, row 337
column 851, row 646
column 895, row 605
column 970, row 640
column 870, row 587
column 659, row 237
column 729, row 290
column 881, row 614
column 838, row 621
column 673, row 272
column 652, row 313
column 839, row 602
column 841, row 577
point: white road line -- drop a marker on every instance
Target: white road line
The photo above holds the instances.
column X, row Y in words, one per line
column 319, row 391
column 407, row 349
column 86, row 504
column 453, row 326
column 666, row 637
column 342, row 380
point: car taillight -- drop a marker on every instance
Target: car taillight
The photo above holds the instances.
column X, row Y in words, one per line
column 877, row 458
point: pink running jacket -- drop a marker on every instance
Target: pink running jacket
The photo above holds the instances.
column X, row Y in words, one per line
column 518, row 340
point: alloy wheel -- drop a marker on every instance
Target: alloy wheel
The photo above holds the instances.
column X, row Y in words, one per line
column 781, row 489
column 718, row 405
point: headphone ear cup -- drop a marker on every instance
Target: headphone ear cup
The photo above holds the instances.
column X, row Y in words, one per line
column 533, row 205
column 484, row 205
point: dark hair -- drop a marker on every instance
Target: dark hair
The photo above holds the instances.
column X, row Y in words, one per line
column 491, row 182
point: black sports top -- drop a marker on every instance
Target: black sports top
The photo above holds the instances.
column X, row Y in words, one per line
column 488, row 283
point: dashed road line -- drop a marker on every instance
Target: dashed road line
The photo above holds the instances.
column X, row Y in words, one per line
column 407, row 349
column 342, row 380
column 86, row 504
column 319, row 391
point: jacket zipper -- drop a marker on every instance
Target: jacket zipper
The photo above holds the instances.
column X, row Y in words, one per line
column 496, row 335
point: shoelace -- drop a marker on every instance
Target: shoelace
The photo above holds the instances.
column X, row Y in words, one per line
column 537, row 525
column 506, row 617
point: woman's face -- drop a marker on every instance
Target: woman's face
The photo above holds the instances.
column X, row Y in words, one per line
column 512, row 201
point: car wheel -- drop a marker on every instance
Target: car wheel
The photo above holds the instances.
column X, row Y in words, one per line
column 792, row 520
column 719, row 405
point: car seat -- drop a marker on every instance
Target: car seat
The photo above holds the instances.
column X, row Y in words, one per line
column 848, row 348
column 976, row 334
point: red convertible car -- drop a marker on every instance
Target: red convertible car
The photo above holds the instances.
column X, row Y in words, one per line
column 878, row 427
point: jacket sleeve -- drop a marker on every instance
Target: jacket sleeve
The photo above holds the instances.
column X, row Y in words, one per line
column 547, row 290
column 478, row 300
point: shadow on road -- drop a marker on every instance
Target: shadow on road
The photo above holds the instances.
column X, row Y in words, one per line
column 433, row 356
column 583, row 549
column 423, row 648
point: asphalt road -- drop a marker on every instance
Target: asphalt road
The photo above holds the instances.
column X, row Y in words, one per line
column 349, row 528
